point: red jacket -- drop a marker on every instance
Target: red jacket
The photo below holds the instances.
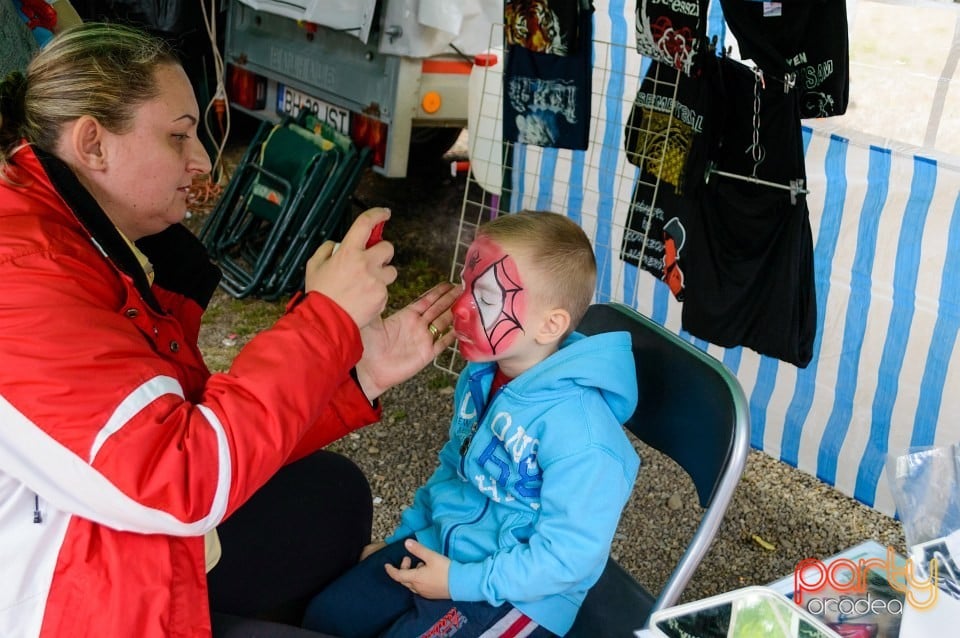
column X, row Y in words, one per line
column 118, row 448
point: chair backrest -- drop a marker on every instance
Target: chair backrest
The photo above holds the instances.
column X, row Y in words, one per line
column 691, row 408
column 327, row 132
column 276, row 188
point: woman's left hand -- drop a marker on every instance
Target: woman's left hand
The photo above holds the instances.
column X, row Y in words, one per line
column 396, row 348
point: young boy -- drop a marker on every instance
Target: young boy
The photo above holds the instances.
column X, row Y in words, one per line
column 515, row 524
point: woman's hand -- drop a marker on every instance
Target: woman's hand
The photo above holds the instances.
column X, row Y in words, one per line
column 396, row 348
column 430, row 578
column 355, row 277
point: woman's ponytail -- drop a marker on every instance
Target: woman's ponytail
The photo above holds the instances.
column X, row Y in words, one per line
column 13, row 97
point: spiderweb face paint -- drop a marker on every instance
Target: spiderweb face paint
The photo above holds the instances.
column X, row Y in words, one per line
column 488, row 315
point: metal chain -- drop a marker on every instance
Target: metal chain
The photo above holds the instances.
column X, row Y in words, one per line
column 755, row 149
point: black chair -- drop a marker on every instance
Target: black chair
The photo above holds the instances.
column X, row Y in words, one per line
column 691, row 408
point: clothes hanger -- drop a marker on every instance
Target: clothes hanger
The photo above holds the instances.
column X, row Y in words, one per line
column 795, row 186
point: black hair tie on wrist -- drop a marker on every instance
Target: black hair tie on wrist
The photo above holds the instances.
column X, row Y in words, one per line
column 13, row 94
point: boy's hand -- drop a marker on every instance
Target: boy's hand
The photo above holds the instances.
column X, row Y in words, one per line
column 430, row 579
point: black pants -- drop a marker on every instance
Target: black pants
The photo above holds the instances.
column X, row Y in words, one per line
column 297, row 533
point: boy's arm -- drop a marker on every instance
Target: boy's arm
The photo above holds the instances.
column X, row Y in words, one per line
column 420, row 513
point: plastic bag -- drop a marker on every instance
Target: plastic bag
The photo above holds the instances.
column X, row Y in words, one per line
column 926, row 489
column 925, row 483
column 163, row 16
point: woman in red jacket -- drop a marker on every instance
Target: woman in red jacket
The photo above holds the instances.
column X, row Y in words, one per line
column 119, row 451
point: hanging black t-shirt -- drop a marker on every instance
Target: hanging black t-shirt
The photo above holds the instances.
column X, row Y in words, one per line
column 669, row 135
column 748, row 257
column 807, row 38
column 547, row 97
column 655, row 236
column 673, row 32
column 671, row 129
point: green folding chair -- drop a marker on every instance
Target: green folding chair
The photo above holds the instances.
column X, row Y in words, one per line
column 275, row 190
column 212, row 226
column 324, row 218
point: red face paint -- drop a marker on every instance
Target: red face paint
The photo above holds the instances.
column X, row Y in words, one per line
column 488, row 314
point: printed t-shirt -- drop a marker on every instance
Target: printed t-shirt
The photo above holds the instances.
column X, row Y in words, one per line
column 807, row 38
column 547, row 97
column 669, row 136
column 544, row 26
column 673, row 32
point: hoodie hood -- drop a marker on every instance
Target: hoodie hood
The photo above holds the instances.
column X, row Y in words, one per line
column 603, row 361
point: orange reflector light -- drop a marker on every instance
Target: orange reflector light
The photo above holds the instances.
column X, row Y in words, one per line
column 431, row 102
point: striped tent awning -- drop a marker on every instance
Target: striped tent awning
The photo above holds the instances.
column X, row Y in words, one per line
column 885, row 374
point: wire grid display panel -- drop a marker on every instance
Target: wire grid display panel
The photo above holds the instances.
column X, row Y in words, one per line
column 594, row 187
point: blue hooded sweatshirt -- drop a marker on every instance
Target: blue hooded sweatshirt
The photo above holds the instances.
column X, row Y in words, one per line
column 527, row 512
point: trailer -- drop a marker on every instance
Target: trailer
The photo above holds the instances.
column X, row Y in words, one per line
column 393, row 74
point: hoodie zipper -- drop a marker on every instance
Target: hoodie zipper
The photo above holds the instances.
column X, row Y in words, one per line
column 449, row 534
column 476, row 391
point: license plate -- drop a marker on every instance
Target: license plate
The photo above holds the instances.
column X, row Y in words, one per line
column 290, row 101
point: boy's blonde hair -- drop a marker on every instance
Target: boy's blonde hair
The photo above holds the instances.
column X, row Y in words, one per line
column 560, row 251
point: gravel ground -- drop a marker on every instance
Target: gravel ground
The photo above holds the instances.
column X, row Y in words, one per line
column 779, row 515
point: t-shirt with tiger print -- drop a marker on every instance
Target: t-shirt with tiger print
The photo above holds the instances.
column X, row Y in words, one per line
column 546, row 99
column 542, row 26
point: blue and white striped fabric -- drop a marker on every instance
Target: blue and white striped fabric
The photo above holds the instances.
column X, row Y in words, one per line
column 888, row 286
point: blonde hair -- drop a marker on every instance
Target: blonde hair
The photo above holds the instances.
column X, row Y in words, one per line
column 101, row 70
column 560, row 251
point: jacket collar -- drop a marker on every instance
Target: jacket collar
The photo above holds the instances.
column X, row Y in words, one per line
column 102, row 231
